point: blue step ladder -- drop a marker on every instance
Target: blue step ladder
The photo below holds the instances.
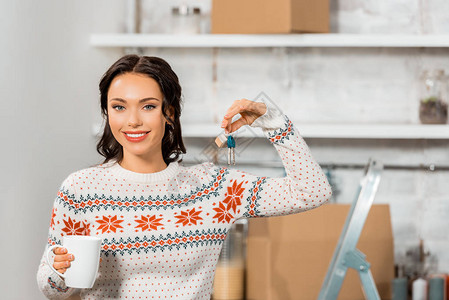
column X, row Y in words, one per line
column 346, row 254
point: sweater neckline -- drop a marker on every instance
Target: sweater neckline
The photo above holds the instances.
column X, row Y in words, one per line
column 170, row 171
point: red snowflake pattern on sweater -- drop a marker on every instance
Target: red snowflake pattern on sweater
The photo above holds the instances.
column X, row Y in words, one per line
column 72, row 227
column 222, row 214
column 189, row 217
column 109, row 223
column 149, row 223
column 234, row 196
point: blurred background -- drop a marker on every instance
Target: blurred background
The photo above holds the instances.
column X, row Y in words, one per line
column 350, row 101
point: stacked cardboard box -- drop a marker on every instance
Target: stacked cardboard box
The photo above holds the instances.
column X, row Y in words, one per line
column 269, row 16
column 288, row 256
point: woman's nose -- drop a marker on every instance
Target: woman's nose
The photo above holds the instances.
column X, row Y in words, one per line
column 134, row 124
column 134, row 120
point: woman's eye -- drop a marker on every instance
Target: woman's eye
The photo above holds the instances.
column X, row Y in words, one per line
column 119, row 107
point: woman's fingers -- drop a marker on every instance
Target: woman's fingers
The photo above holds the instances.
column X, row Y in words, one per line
column 59, row 250
column 231, row 127
column 234, row 109
column 62, row 259
column 249, row 111
column 236, row 125
column 61, row 265
column 237, row 107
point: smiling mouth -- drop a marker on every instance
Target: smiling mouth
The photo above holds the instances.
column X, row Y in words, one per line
column 135, row 135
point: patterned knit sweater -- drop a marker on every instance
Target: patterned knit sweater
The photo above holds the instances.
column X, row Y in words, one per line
column 163, row 232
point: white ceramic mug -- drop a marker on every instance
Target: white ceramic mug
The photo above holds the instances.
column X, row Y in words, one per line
column 83, row 269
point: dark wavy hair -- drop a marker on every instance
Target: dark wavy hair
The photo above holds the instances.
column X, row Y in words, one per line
column 159, row 70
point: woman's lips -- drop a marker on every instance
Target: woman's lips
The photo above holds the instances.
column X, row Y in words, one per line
column 136, row 139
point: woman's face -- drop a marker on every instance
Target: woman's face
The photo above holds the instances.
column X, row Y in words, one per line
column 135, row 105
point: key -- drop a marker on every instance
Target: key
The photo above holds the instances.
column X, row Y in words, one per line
column 231, row 150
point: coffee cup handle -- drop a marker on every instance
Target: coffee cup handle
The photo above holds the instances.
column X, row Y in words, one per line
column 48, row 260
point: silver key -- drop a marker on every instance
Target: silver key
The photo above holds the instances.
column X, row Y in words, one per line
column 231, row 150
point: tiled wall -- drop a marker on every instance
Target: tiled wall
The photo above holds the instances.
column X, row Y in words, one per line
column 336, row 85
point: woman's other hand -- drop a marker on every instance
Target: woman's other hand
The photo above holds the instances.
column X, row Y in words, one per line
column 248, row 110
column 62, row 259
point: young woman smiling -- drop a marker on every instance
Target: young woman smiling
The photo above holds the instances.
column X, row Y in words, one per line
column 163, row 224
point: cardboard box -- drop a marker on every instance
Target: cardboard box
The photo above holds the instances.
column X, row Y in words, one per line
column 269, row 16
column 288, row 256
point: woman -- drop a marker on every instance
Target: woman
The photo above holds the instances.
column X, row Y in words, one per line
column 163, row 224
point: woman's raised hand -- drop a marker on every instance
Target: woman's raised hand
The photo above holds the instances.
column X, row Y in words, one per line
column 248, row 110
column 62, row 259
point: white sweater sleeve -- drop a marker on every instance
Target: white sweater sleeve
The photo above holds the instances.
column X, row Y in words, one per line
column 64, row 221
column 304, row 187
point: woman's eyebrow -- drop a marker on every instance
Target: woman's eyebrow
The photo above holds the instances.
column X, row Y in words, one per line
column 140, row 101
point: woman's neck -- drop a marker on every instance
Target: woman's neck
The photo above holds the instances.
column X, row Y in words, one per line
column 143, row 165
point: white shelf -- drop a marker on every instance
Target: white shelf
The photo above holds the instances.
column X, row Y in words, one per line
column 365, row 131
column 268, row 40
column 342, row 131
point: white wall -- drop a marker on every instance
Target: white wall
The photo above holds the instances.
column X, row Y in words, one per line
column 49, row 88
column 49, row 78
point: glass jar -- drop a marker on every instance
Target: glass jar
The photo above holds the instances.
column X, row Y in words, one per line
column 186, row 20
column 230, row 273
column 433, row 97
